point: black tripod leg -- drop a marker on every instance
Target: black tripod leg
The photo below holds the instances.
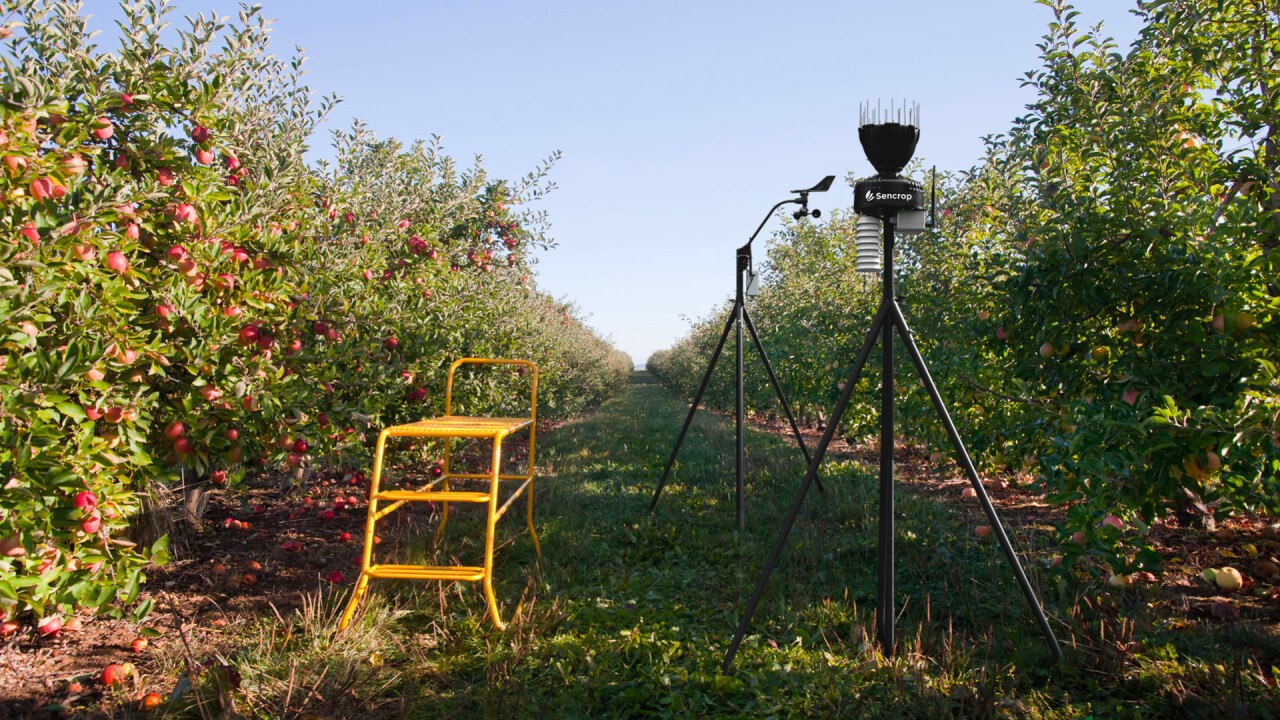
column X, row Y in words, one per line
column 972, row 472
column 809, row 476
column 733, row 314
column 782, row 398
column 740, row 458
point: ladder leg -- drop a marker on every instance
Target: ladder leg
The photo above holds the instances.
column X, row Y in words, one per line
column 444, row 484
column 361, row 585
column 537, row 549
column 370, row 525
column 490, row 526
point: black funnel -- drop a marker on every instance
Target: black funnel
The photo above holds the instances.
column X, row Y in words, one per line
column 889, row 146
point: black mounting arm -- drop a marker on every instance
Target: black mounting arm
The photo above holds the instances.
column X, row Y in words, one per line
column 802, row 201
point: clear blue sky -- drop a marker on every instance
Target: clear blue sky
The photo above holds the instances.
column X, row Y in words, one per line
column 681, row 123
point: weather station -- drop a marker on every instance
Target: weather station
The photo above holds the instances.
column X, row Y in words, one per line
column 746, row 287
column 893, row 204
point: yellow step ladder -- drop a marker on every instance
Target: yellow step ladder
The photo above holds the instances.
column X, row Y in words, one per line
column 447, row 428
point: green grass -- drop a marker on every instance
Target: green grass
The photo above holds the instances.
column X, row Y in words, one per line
column 630, row 614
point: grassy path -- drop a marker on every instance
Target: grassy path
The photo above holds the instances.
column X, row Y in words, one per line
column 630, row 614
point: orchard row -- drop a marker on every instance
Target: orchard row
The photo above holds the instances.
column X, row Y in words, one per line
column 1099, row 302
column 185, row 298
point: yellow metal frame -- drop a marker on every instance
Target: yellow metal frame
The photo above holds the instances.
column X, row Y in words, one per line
column 448, row 427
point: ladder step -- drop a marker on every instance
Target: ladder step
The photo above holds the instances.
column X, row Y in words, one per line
column 427, row 572
column 433, row 496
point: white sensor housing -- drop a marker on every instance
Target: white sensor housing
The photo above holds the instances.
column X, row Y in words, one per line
column 867, row 244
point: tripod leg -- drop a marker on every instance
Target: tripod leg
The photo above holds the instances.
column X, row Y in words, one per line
column 885, row 603
column 739, row 458
column 809, row 476
column 693, row 408
column 972, row 472
column 782, row 398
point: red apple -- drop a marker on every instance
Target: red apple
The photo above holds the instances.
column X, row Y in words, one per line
column 165, row 177
column 103, row 128
column 91, row 524
column 199, row 134
column 114, row 674
column 249, row 335
column 17, row 164
column 204, row 157
column 74, row 164
column 84, row 252
column 132, row 231
column 12, row 546
column 175, row 430
column 85, row 499
column 391, row 343
column 41, row 188
column 231, row 434
column 50, row 626
column 117, row 262
column 30, row 232
column 182, row 446
column 185, row 212
column 300, row 446
column 1130, row 396
column 232, row 162
column 218, row 477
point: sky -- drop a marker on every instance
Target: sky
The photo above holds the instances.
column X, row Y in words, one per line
column 680, row 123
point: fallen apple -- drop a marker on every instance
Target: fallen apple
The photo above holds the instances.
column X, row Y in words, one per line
column 1229, row 578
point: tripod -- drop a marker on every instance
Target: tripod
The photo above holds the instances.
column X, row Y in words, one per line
column 887, row 319
column 738, row 317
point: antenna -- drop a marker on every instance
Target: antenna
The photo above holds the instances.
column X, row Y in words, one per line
column 933, row 199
